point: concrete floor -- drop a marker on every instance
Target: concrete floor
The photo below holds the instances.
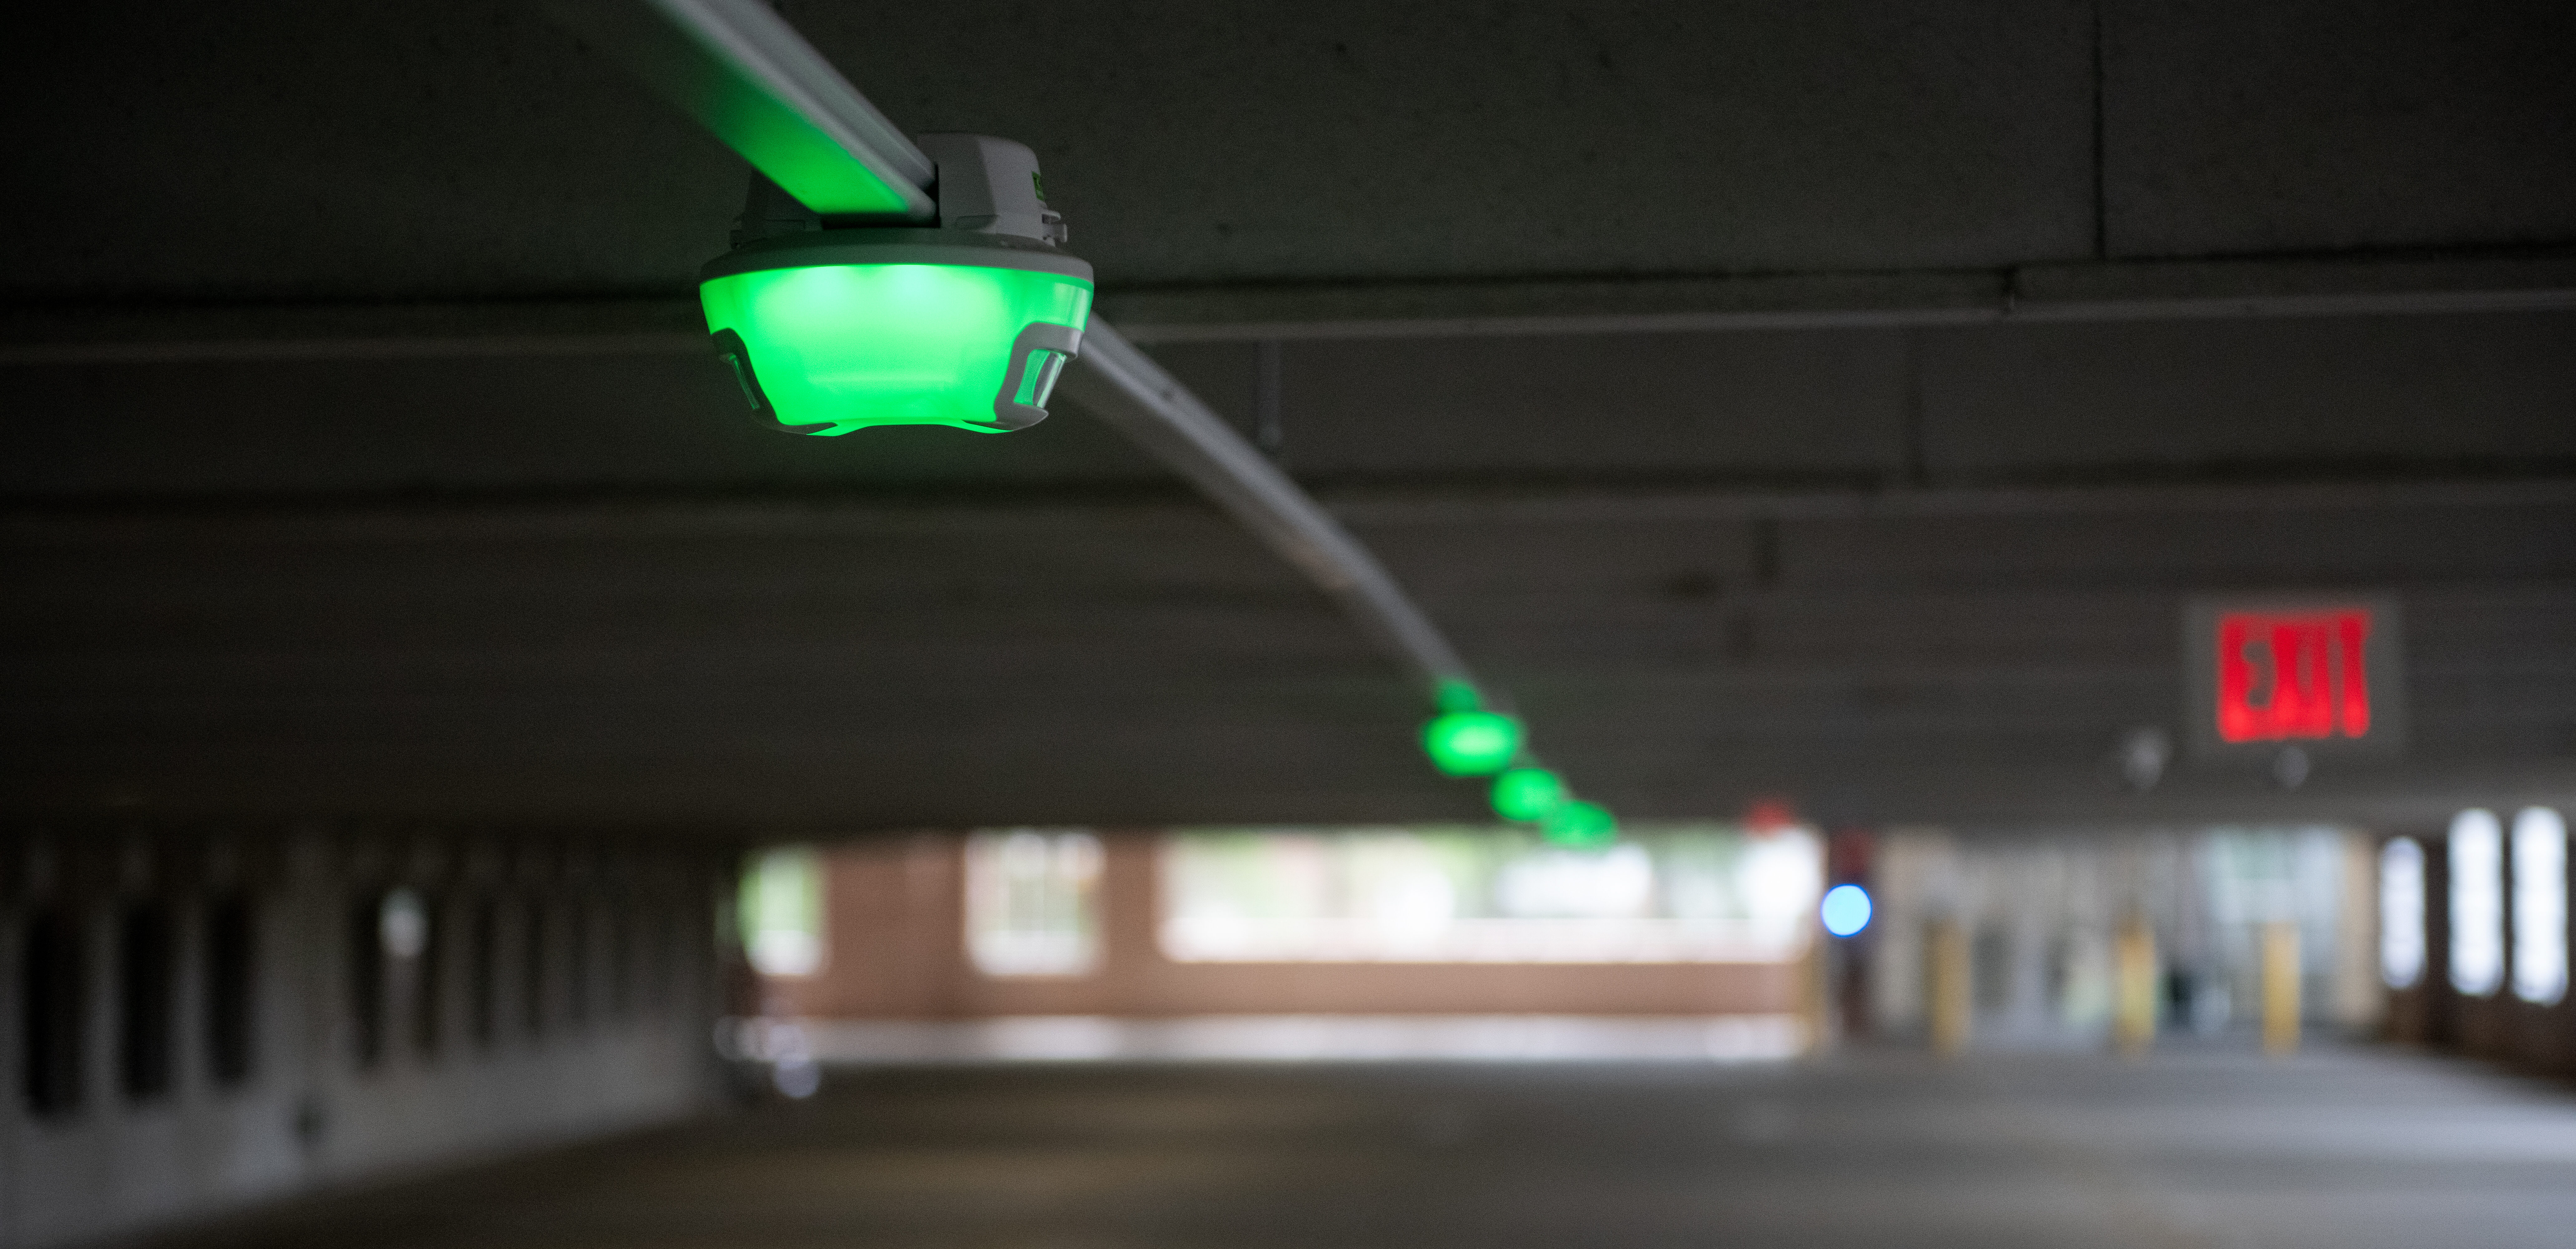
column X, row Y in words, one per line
column 2343, row 1148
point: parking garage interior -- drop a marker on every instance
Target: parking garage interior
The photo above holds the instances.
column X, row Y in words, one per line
column 2095, row 478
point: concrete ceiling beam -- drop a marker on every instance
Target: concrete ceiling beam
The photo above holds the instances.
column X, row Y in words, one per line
column 2362, row 285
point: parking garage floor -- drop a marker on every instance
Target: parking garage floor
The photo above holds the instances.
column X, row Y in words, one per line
column 2345, row 1147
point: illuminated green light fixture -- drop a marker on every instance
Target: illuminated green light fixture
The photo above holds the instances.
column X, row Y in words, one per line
column 1579, row 823
column 1466, row 739
column 830, row 329
column 829, row 335
column 1528, row 794
column 1471, row 743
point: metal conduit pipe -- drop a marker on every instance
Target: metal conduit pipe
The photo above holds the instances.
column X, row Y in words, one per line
column 1123, row 386
column 749, row 77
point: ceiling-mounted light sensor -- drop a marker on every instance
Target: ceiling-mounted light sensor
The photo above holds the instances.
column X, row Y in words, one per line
column 875, row 279
column 830, row 330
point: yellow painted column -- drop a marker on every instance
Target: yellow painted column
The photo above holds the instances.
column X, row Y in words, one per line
column 2134, row 987
column 2280, row 987
column 1950, row 1000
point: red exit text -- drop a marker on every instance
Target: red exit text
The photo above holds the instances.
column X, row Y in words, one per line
column 2293, row 675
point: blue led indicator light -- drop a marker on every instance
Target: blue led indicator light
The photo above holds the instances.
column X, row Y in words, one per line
column 1846, row 910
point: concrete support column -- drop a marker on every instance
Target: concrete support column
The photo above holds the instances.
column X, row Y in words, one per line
column 1816, row 974
column 1131, row 921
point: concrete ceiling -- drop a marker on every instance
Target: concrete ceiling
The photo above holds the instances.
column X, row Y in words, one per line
column 357, row 152
column 1895, row 564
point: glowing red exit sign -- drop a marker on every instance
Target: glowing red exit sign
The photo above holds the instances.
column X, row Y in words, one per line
column 2285, row 675
column 2313, row 672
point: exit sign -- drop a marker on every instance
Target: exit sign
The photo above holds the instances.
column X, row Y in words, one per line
column 2317, row 672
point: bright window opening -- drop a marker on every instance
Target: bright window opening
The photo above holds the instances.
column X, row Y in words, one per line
column 1684, row 894
column 1032, row 902
column 2401, row 913
column 782, row 912
column 2477, row 903
column 2539, row 906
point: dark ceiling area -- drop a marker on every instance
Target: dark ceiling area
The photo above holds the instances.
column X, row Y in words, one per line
column 348, row 152
column 1837, row 401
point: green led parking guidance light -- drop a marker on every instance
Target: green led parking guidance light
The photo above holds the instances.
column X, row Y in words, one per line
column 1581, row 824
column 830, row 329
column 1471, row 743
column 1528, row 795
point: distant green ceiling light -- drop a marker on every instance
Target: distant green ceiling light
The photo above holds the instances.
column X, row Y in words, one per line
column 1579, row 823
column 1528, row 794
column 835, row 330
column 1472, row 743
column 1457, row 695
